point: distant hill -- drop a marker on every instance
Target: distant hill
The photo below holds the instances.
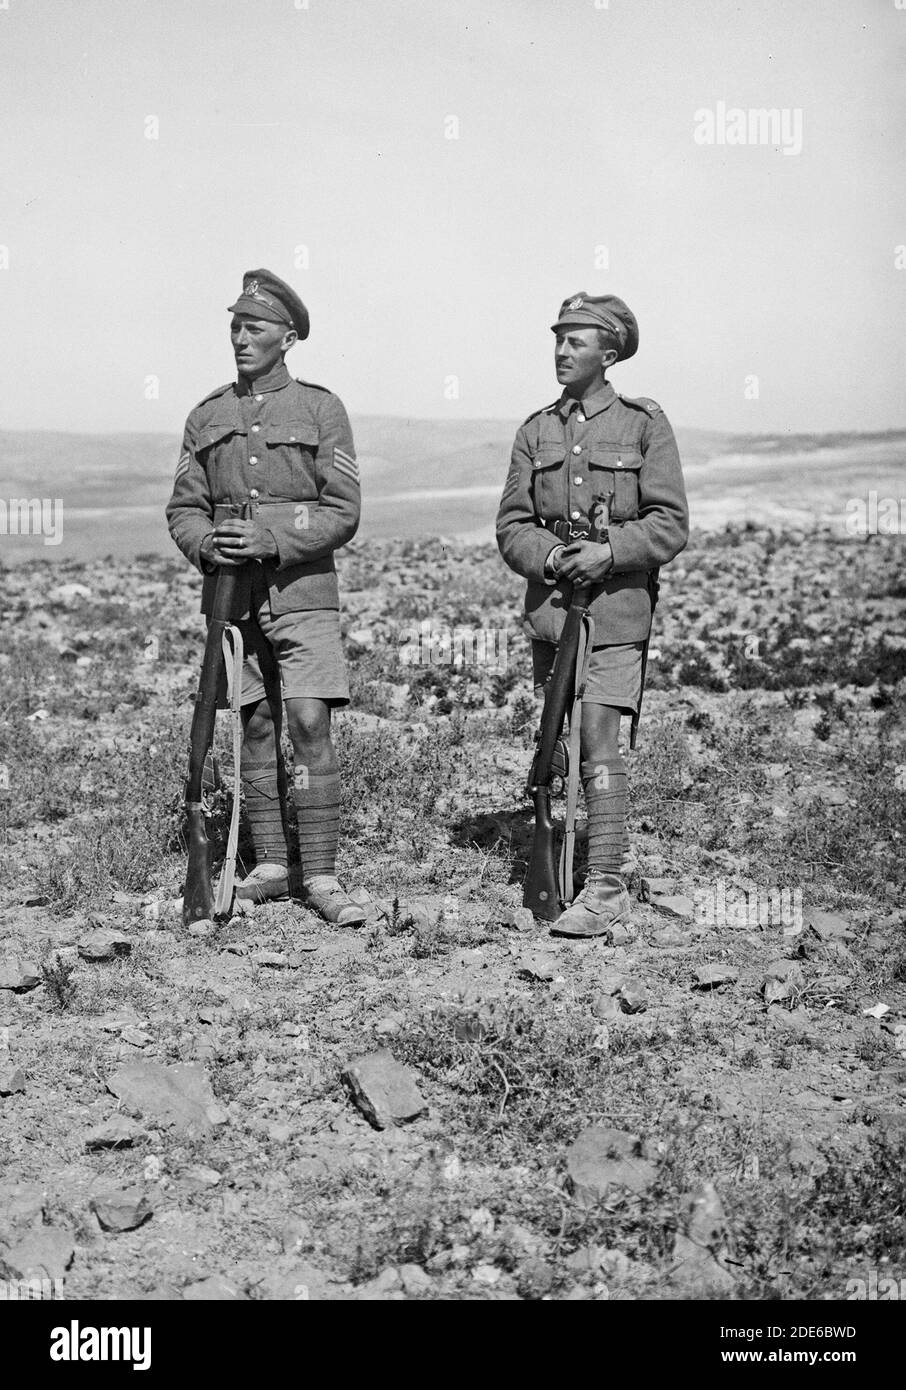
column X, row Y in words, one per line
column 433, row 476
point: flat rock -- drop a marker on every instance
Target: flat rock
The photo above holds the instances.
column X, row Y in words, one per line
column 22, row 1205
column 66, row 593
column 675, row 905
column 104, row 944
column 697, row 1271
column 517, row 919
column 116, row 1133
column 829, row 926
column 121, row 1208
column 776, row 990
column 603, row 1158
column 42, row 1254
column 615, row 1265
column 657, row 887
column 790, row 971
column 670, row 936
column 713, row 976
column 791, row 1020
column 633, row 997
column 414, row 1280
column 538, row 966
column 18, row 975
column 274, row 959
column 200, row 1177
column 384, row 1090
column 12, row 1080
column 178, row 1095
column 585, row 1260
column 607, row 1008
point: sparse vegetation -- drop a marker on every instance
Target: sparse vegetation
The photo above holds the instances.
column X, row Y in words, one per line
column 771, row 754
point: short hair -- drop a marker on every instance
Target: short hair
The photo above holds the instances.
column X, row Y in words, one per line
column 607, row 340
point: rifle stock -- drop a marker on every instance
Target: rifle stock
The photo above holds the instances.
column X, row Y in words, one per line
column 198, row 897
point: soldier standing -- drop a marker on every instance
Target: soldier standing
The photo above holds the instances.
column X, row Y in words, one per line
column 267, row 479
column 591, row 444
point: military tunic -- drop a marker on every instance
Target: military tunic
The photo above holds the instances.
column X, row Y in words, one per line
column 283, row 449
column 564, row 458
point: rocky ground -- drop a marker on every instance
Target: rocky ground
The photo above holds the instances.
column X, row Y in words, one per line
column 449, row 1102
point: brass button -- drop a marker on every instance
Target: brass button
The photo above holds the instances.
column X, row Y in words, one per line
column 581, row 419
column 575, row 515
column 256, row 428
column 619, row 463
column 259, row 398
column 577, row 448
column 253, row 459
column 578, row 482
column 254, row 493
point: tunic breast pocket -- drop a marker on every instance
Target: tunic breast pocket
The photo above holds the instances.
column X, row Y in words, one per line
column 615, row 469
column 547, row 481
column 291, row 450
column 219, row 444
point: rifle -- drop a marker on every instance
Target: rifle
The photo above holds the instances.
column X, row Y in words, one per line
column 541, row 892
column 654, row 588
column 198, row 897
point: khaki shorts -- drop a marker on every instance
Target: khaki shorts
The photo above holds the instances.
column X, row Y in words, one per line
column 614, row 673
column 307, row 647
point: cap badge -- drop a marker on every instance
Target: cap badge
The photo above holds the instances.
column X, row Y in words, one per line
column 576, row 303
column 251, row 288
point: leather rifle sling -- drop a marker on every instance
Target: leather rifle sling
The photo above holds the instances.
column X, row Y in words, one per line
column 568, row 848
column 233, row 657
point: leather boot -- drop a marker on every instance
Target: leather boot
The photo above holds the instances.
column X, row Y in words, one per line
column 602, row 905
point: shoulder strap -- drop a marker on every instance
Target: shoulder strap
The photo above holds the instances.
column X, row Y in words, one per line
column 645, row 403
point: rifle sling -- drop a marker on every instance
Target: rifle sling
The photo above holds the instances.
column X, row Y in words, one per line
column 567, row 851
column 233, row 656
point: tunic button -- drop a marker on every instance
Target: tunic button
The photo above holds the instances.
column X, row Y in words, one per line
column 254, row 493
column 575, row 515
column 253, row 459
column 259, row 398
column 619, row 463
column 581, row 419
column 577, row 481
column 256, row 428
column 577, row 448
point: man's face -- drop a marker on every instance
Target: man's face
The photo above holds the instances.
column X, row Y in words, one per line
column 258, row 344
column 580, row 360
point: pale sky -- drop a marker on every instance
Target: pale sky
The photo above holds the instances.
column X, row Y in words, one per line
column 429, row 258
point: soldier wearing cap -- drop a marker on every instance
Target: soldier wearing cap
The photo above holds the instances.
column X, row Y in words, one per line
column 589, row 444
column 267, row 479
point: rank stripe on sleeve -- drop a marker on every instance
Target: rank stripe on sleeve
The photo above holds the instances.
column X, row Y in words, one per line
column 346, row 465
column 182, row 467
